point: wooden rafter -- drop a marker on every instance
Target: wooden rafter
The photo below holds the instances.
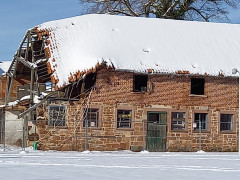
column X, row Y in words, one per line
column 30, row 109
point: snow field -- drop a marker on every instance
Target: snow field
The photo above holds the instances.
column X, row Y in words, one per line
column 119, row 165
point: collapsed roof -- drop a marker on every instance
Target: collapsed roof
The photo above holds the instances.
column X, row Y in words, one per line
column 141, row 44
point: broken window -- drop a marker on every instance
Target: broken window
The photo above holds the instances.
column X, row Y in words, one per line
column 178, row 121
column 140, row 83
column 56, row 116
column 197, row 86
column 91, row 117
column 200, row 120
column 226, row 122
column 124, row 118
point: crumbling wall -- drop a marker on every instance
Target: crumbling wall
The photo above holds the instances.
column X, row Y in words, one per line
column 114, row 90
column 13, row 128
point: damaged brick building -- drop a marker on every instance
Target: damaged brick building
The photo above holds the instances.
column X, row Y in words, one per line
column 123, row 83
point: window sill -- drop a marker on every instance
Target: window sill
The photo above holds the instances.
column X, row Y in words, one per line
column 93, row 128
column 227, row 132
column 202, row 131
column 196, row 95
column 125, row 129
column 57, row 127
column 179, row 131
column 139, row 92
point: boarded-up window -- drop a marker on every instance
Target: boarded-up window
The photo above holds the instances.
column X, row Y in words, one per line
column 178, row 121
column 124, row 118
column 91, row 117
column 56, row 116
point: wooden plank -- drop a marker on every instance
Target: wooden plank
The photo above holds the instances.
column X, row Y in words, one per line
column 36, row 105
column 32, row 79
column 25, row 63
column 9, row 89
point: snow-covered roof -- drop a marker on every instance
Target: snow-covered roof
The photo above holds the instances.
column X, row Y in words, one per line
column 139, row 44
column 4, row 66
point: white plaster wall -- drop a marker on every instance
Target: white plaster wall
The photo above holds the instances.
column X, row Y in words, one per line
column 13, row 127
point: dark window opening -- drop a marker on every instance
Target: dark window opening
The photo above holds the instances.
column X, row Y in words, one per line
column 38, row 50
column 197, row 86
column 79, row 88
column 226, row 122
column 178, row 121
column 89, row 82
column 56, row 116
column 124, row 118
column 91, row 117
column 157, row 118
column 140, row 83
column 200, row 120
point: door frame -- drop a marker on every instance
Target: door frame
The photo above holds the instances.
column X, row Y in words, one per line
column 164, row 138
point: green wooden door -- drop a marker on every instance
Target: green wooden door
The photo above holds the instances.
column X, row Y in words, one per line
column 156, row 131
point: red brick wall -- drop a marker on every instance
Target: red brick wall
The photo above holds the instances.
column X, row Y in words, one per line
column 19, row 81
column 170, row 93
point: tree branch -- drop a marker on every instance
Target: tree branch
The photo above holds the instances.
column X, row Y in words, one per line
column 171, row 7
column 128, row 5
column 199, row 12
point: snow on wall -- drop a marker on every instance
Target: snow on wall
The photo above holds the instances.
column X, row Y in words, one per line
column 139, row 44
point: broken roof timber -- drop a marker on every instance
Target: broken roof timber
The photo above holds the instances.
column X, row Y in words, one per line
column 75, row 45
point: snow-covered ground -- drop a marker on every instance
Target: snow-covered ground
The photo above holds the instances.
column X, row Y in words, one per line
column 52, row 165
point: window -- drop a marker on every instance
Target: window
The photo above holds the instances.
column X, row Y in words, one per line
column 197, row 86
column 226, row 122
column 178, row 121
column 124, row 118
column 200, row 120
column 56, row 116
column 91, row 116
column 140, row 83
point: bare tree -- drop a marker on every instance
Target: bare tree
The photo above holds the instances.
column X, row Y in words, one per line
column 202, row 10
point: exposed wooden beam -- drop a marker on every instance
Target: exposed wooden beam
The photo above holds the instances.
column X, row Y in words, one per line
column 9, row 74
column 20, row 46
column 30, row 109
column 13, row 65
column 34, row 92
column 9, row 87
column 26, row 63
column 32, row 77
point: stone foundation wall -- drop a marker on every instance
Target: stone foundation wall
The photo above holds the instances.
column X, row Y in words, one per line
column 167, row 93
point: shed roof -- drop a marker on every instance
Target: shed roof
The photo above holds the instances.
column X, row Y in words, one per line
column 138, row 44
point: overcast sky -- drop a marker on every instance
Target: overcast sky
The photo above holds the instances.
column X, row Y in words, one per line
column 17, row 16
